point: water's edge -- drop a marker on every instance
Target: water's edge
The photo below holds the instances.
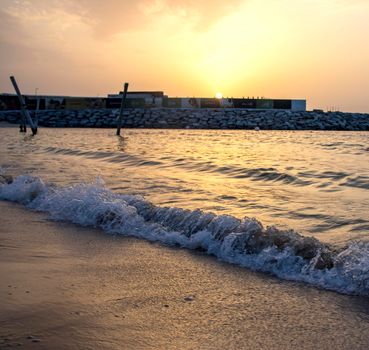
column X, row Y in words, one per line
column 285, row 254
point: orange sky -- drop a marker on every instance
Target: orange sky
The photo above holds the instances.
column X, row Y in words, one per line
column 313, row 49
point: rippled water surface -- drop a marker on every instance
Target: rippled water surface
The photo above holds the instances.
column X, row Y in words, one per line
column 314, row 182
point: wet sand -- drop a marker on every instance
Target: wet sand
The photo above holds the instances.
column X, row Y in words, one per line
column 66, row 287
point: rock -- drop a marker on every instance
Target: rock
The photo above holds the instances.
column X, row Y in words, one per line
column 199, row 119
column 189, row 298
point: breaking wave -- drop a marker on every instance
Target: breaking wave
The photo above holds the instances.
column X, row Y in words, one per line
column 245, row 242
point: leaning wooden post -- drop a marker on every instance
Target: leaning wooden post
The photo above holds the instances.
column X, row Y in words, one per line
column 122, row 105
column 24, row 110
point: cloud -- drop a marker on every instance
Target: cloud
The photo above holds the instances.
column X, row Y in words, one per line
column 205, row 13
column 33, row 46
column 117, row 16
column 8, row 25
column 110, row 17
column 13, row 39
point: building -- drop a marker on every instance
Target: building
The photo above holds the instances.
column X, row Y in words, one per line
column 148, row 99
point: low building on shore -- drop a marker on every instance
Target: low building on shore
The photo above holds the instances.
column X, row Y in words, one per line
column 148, row 99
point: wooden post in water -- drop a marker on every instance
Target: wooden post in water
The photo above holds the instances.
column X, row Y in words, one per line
column 24, row 110
column 37, row 107
column 122, row 105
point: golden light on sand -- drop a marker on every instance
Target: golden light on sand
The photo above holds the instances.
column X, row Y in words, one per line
column 218, row 95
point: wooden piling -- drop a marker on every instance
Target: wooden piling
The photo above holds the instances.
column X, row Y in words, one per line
column 122, row 106
column 25, row 113
column 37, row 108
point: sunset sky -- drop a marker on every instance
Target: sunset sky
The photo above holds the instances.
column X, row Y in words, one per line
column 313, row 49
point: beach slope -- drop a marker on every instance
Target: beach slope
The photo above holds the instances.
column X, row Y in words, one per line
column 67, row 287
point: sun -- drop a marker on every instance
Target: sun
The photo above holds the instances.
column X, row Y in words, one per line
column 218, row 95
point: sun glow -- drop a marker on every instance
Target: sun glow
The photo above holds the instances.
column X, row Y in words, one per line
column 218, row 95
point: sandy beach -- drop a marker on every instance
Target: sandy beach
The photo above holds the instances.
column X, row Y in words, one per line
column 67, row 287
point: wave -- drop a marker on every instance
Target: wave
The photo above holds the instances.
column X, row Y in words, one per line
column 283, row 253
column 301, row 179
column 105, row 155
column 358, row 182
column 237, row 172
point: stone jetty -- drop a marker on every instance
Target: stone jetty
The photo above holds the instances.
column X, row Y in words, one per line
column 198, row 119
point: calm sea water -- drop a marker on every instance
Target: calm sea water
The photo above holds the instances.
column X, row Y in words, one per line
column 316, row 183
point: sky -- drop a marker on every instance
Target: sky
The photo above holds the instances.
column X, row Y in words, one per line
column 316, row 50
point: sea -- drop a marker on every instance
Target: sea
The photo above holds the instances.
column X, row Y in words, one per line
column 294, row 204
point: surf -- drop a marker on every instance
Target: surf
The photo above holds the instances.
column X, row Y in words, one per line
column 241, row 241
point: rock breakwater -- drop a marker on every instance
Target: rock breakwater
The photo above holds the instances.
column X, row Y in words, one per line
column 199, row 119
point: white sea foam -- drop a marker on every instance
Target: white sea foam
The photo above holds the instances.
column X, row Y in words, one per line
column 245, row 242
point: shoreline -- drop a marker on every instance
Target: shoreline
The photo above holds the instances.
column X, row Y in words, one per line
column 70, row 287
